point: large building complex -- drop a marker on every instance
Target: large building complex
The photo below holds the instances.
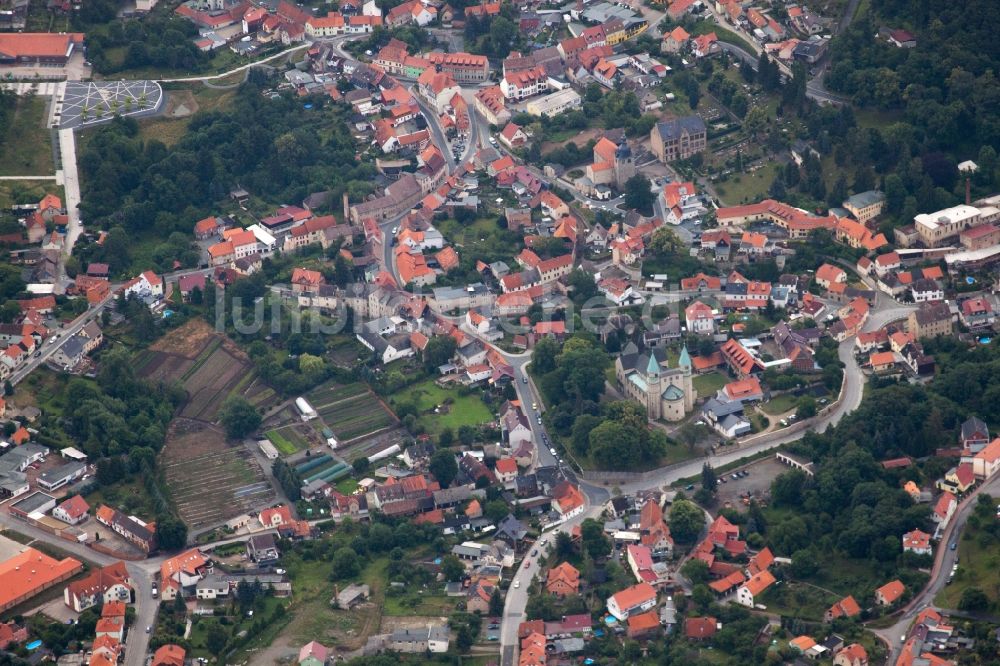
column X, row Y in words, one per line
column 38, row 49
column 678, row 139
column 667, row 393
column 30, row 572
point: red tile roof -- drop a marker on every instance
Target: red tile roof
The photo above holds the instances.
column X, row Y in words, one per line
column 700, row 627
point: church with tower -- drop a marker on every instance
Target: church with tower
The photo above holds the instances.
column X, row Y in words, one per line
column 668, row 393
column 613, row 165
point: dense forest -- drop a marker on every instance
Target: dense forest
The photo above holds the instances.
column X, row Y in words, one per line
column 274, row 147
column 942, row 101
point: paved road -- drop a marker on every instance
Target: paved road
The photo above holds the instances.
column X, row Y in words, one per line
column 517, row 594
column 944, row 558
column 241, row 68
column 71, row 183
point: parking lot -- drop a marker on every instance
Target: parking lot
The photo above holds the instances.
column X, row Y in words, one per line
column 732, row 492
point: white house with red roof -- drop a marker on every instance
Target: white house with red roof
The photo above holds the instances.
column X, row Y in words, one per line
column 506, row 470
column 750, row 591
column 632, row 600
column 276, row 516
column 147, row 285
column 513, row 136
column 73, row 511
column 917, row 541
column 699, row 318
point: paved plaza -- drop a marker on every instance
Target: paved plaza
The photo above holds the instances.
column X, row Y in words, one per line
column 86, row 103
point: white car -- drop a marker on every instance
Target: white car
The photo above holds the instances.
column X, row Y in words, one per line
column 517, row 584
column 552, row 450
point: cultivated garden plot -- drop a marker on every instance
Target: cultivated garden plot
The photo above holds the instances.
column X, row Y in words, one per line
column 211, row 480
column 208, row 365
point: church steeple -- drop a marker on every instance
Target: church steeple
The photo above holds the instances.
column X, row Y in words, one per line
column 653, row 367
column 685, row 359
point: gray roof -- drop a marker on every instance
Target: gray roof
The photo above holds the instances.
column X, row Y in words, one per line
column 863, row 199
column 451, row 495
column 721, row 409
column 469, row 551
column 673, row 129
column 34, row 502
column 564, row 645
column 63, row 471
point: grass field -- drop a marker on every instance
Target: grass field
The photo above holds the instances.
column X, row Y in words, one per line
column 706, row 385
column 780, row 404
column 330, row 392
column 462, row 410
column 27, row 145
column 14, row 192
column 798, row 600
column 750, row 188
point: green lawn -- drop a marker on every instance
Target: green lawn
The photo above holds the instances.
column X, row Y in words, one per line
column 707, row 384
column 744, row 188
column 27, row 144
column 780, row 404
column 346, row 486
column 462, row 410
column 483, row 238
column 724, row 35
column 798, row 600
column 14, row 192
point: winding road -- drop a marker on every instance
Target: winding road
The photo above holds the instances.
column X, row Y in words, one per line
column 852, row 392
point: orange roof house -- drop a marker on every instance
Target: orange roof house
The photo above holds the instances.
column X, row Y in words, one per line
column 846, row 607
column 447, row 259
column 563, row 580
column 643, row 624
column 802, row 643
column 700, row 628
column 889, row 593
column 754, row 586
column 169, row 655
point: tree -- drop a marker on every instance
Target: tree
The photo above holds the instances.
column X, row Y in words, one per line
column 345, row 563
column 452, row 569
column 593, row 540
column 709, row 481
column 807, row 407
column 496, row 602
column 786, row 489
column 438, row 351
column 695, row 571
column 443, row 466
column 638, row 194
column 686, row 521
column 216, row 638
column 973, row 599
column 583, row 285
column 804, row 563
column 171, row 533
column 239, row 417
column 543, row 356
